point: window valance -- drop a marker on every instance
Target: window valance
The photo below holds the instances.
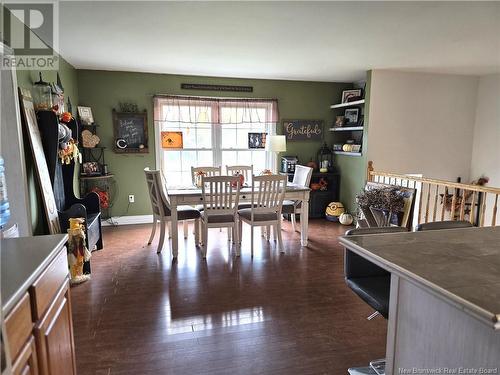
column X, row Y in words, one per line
column 192, row 109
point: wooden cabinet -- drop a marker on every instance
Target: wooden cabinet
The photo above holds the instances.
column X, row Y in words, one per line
column 39, row 328
column 26, row 363
column 54, row 337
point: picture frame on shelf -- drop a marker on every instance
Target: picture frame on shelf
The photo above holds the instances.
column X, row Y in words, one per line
column 339, row 121
column 85, row 115
column 351, row 95
column 351, row 116
column 91, row 168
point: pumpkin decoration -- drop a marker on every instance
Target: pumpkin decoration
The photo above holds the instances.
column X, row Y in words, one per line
column 241, row 179
column 66, row 117
column 312, row 164
column 346, row 219
column 266, row 172
column 334, row 210
column 89, row 140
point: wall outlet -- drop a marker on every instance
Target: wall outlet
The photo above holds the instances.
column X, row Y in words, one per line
column 131, row 198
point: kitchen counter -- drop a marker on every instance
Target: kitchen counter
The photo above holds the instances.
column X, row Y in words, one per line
column 463, row 265
column 22, row 261
column 444, row 305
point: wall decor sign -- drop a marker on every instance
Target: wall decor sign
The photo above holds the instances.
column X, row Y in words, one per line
column 257, row 140
column 131, row 132
column 172, row 140
column 199, row 86
column 31, row 129
column 303, row 130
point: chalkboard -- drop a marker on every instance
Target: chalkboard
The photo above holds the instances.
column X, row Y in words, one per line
column 303, row 130
column 131, row 132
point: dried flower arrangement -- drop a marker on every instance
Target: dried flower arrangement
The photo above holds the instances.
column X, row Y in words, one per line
column 387, row 199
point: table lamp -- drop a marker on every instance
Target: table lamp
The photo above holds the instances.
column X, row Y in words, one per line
column 276, row 143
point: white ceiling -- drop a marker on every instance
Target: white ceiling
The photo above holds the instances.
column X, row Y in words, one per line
column 318, row 41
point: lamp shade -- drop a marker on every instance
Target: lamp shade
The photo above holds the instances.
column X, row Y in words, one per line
column 276, row 143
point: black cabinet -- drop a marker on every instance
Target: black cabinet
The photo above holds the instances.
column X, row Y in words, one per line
column 319, row 199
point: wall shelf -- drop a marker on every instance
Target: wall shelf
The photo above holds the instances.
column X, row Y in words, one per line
column 347, row 153
column 350, row 104
column 347, row 128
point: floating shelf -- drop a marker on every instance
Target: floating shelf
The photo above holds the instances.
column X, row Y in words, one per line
column 350, row 104
column 347, row 128
column 83, row 177
column 347, row 153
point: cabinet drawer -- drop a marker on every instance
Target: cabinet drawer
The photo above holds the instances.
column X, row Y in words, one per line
column 27, row 363
column 45, row 288
column 19, row 326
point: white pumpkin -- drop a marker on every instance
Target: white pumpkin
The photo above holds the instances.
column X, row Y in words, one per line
column 346, row 219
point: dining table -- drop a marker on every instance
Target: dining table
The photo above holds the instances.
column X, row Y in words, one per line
column 192, row 196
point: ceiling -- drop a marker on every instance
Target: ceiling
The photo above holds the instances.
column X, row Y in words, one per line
column 316, row 41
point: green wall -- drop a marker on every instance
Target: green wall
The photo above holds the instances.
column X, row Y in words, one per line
column 103, row 90
column 25, row 79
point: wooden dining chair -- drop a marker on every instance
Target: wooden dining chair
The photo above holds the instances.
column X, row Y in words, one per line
column 161, row 208
column 267, row 199
column 208, row 172
column 220, row 207
column 301, row 177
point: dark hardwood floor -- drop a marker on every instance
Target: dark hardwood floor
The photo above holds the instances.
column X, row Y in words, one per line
column 274, row 314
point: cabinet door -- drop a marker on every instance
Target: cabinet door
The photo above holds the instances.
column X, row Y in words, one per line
column 55, row 338
column 26, row 363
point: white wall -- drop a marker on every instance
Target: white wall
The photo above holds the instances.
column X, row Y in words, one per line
column 486, row 145
column 422, row 123
column 486, row 142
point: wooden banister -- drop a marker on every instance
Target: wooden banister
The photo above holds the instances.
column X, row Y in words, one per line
column 452, row 200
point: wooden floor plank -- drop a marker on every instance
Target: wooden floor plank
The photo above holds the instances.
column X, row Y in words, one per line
column 271, row 314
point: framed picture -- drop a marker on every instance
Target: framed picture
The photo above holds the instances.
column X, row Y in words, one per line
column 257, row 140
column 339, row 121
column 172, row 140
column 351, row 95
column 91, row 168
column 85, row 114
column 351, row 116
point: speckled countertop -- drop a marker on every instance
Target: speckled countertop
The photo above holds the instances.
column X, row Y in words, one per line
column 22, row 261
column 462, row 265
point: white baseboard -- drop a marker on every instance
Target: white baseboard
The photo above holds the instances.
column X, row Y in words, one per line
column 128, row 220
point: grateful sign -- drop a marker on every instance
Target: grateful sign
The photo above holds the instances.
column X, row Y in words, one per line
column 303, row 130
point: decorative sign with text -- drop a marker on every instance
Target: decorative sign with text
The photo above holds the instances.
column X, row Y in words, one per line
column 303, row 130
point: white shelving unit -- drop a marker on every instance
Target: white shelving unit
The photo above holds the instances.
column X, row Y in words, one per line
column 347, row 128
column 347, row 153
column 350, row 104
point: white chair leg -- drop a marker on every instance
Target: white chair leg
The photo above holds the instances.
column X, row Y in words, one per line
column 170, row 230
column 280, row 239
column 229, row 234
column 293, row 221
column 236, row 239
column 205, row 241
column 162, row 236
column 197, row 232
column 240, row 230
column 185, row 229
column 153, row 231
column 251, row 238
column 268, row 232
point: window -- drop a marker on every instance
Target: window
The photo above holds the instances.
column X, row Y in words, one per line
column 215, row 132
